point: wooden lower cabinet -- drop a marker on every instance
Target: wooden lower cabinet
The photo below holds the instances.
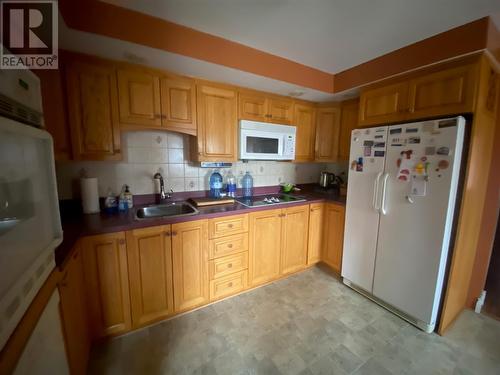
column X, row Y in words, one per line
column 74, row 313
column 294, row 236
column 333, row 236
column 149, row 256
column 107, row 284
column 265, row 246
column 315, row 241
column 190, row 264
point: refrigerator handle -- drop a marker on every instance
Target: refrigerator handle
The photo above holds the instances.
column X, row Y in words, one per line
column 375, row 192
column 384, row 188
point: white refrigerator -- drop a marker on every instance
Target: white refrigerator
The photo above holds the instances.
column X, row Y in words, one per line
column 401, row 199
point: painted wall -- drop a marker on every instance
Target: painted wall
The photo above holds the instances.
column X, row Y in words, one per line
column 145, row 153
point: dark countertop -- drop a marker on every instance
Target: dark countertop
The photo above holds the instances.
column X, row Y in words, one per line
column 76, row 225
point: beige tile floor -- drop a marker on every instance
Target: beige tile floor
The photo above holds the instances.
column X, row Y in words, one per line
column 309, row 323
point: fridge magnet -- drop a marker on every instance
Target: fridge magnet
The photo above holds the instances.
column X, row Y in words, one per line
column 359, row 165
column 404, row 169
column 414, row 140
column 443, row 151
column 379, row 153
column 407, row 153
column 447, row 123
column 367, row 131
column 431, row 150
column 443, row 164
column 418, row 186
column 423, row 158
column 403, row 178
column 420, row 168
column 428, row 127
column 379, row 145
column 398, row 162
column 368, row 143
column 367, row 151
column 379, row 136
column 395, row 131
column 412, row 130
column 353, row 165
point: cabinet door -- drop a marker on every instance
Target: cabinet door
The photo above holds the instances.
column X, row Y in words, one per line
column 55, row 110
column 265, row 246
column 106, row 281
column 294, row 236
column 93, row 111
column 348, row 121
column 178, row 104
column 316, row 223
column 442, row 93
column 217, row 123
column 306, row 132
column 149, row 255
column 280, row 111
column 334, row 236
column 139, row 97
column 74, row 314
column 327, row 134
column 190, row 264
column 253, row 106
column 384, row 104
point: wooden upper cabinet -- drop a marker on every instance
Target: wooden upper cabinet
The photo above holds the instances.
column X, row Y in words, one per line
column 327, row 134
column 107, row 284
column 93, row 110
column 294, row 236
column 190, row 264
column 280, row 110
column 74, row 313
column 253, row 106
column 139, row 97
column 383, row 104
column 149, row 256
column 178, row 104
column 265, row 246
column 315, row 240
column 446, row 92
column 348, row 121
column 304, row 119
column 257, row 106
column 217, row 123
column 333, row 236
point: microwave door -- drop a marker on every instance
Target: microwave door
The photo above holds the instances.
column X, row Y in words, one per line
column 261, row 145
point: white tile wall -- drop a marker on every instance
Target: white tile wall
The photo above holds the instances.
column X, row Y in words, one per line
column 146, row 153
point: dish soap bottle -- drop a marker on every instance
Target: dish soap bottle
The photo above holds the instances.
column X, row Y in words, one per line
column 129, row 198
column 231, row 184
column 122, row 201
column 247, row 185
column 110, row 203
column 215, row 184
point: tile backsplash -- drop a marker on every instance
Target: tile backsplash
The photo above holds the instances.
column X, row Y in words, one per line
column 146, row 153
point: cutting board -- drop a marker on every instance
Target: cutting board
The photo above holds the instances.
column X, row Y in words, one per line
column 207, row 201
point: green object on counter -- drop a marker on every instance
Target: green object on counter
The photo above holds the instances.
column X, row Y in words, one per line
column 287, row 188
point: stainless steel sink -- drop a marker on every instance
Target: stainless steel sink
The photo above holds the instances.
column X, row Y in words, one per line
column 172, row 209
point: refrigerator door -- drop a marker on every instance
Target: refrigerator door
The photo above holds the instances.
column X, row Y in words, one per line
column 30, row 227
column 368, row 146
column 416, row 220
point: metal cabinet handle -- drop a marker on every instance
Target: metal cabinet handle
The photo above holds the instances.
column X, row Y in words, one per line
column 167, row 234
column 230, row 285
column 230, row 225
column 230, row 265
column 230, row 246
column 174, row 233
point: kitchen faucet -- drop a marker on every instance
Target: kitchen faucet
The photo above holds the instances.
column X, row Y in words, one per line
column 163, row 195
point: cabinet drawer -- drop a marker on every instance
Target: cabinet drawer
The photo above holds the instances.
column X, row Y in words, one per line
column 228, row 245
column 227, row 265
column 228, row 225
column 227, row 285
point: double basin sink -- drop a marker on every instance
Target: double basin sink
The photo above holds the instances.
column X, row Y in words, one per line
column 172, row 209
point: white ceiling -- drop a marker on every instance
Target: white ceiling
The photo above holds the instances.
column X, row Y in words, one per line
column 330, row 35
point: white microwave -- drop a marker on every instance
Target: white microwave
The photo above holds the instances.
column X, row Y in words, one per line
column 264, row 141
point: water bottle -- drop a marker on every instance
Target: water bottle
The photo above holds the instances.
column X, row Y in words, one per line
column 215, row 184
column 231, row 184
column 247, row 185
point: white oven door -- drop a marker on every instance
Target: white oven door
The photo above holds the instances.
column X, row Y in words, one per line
column 261, row 145
column 30, row 227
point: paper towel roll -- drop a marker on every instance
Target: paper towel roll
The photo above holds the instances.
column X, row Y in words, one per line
column 90, row 195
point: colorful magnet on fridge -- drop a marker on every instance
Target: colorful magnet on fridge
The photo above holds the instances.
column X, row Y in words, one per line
column 419, row 168
column 423, row 158
column 353, row 165
column 443, row 164
column 359, row 165
column 398, row 163
column 407, row 153
column 403, row 178
column 431, row 150
column 367, row 151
